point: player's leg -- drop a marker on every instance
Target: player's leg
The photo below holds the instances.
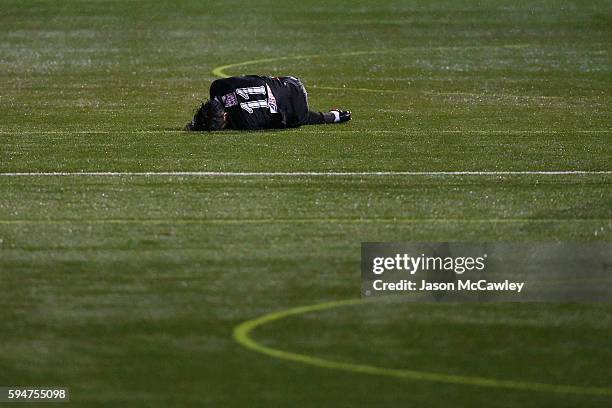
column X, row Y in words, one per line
column 315, row 118
column 333, row 116
column 300, row 102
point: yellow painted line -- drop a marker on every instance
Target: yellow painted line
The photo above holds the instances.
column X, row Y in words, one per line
column 220, row 71
column 242, row 335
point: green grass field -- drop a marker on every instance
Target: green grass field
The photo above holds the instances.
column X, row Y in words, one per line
column 127, row 288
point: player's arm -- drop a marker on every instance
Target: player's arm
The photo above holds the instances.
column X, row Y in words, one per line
column 220, row 87
column 223, row 86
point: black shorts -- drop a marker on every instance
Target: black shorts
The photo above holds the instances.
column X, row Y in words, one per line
column 299, row 102
column 297, row 83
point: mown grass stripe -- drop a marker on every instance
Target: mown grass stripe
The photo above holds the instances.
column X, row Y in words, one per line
column 239, row 221
column 305, row 173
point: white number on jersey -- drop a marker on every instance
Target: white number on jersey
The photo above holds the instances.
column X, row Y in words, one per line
column 258, row 103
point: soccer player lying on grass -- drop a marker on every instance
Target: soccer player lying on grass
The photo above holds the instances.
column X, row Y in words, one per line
column 259, row 102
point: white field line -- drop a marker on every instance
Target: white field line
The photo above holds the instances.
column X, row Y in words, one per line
column 241, row 221
column 304, row 173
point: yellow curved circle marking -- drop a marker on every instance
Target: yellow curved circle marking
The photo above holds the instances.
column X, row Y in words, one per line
column 220, row 71
column 242, row 335
column 242, row 332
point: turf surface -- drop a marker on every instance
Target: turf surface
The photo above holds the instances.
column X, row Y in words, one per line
column 127, row 288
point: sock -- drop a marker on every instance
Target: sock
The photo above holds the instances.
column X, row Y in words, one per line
column 336, row 116
column 329, row 117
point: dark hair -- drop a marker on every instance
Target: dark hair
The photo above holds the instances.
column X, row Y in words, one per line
column 209, row 117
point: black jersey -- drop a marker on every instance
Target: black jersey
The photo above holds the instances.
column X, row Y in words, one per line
column 258, row 102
